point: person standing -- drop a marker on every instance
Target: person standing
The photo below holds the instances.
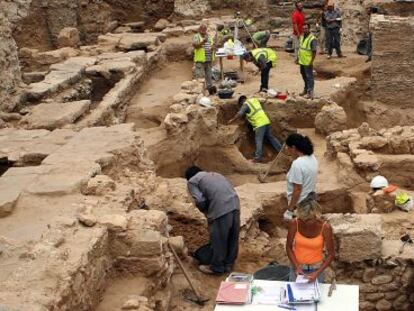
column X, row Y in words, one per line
column 216, row 198
column 307, row 54
column 333, row 29
column 203, row 55
column 252, row 109
column 308, row 236
column 260, row 38
column 302, row 176
column 298, row 20
column 265, row 59
column 322, row 31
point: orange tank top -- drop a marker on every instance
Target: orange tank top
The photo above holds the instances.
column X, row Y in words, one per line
column 308, row 251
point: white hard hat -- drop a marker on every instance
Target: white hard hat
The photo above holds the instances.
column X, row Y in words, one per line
column 205, row 101
column 379, row 182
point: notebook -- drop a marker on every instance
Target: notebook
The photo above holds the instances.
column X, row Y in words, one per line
column 303, row 292
column 233, row 293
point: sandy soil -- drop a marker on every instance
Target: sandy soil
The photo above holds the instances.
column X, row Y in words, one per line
column 150, row 104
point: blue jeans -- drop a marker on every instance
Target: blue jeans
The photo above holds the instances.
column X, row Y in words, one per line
column 307, row 269
column 307, row 75
column 260, row 134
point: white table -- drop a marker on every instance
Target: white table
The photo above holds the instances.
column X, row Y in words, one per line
column 344, row 298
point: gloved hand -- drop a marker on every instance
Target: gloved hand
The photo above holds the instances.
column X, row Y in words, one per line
column 288, row 215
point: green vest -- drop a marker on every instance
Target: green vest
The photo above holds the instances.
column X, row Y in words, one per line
column 200, row 54
column 268, row 53
column 257, row 36
column 305, row 51
column 256, row 116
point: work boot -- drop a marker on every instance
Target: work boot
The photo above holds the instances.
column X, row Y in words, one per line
column 309, row 95
column 303, row 93
column 207, row 270
column 329, row 56
column 256, row 160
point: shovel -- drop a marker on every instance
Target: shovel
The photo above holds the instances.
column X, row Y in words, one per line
column 406, row 239
column 262, row 177
column 197, row 298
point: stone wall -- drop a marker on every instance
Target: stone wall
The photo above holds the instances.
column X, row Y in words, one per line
column 392, row 76
column 11, row 11
column 91, row 17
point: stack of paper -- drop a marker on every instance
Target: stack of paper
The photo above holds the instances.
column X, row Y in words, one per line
column 233, row 293
column 303, row 292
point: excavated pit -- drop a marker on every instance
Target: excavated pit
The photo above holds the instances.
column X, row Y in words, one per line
column 263, row 235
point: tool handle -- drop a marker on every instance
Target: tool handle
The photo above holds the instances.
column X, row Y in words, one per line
column 273, row 162
column 180, row 264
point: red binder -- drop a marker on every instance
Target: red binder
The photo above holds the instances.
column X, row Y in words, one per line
column 233, row 293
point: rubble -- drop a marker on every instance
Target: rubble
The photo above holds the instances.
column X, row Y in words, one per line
column 191, row 9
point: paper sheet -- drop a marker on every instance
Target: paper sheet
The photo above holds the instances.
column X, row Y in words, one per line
column 269, row 295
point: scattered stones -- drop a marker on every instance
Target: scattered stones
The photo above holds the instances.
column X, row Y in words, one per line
column 161, row 24
column 68, row 36
column 99, row 185
column 191, row 9
column 114, row 222
column 87, row 218
column 332, row 118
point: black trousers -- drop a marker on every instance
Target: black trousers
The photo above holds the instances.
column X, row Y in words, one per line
column 264, row 83
column 224, row 240
column 333, row 38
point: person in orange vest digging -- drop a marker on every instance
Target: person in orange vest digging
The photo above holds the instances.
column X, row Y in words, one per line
column 257, row 117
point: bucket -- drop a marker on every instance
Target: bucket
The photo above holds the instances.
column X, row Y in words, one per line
column 230, row 57
column 281, row 96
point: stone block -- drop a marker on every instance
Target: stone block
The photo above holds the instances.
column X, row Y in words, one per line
column 68, row 36
column 358, row 237
column 383, row 305
column 152, row 219
column 55, row 115
column 381, row 279
column 174, row 31
column 114, row 222
column 144, row 243
column 133, row 41
column 330, row 119
column 161, row 24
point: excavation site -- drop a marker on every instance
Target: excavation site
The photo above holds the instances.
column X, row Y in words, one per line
column 122, row 124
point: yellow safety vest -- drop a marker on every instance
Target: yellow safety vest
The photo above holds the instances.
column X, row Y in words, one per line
column 268, row 53
column 200, row 53
column 305, row 50
column 256, row 116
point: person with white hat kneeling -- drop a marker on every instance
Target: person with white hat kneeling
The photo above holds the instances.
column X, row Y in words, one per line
column 385, row 197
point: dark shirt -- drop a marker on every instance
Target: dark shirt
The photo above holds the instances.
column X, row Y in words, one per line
column 214, row 194
column 333, row 15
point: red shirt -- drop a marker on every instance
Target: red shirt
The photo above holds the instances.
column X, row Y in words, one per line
column 298, row 18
